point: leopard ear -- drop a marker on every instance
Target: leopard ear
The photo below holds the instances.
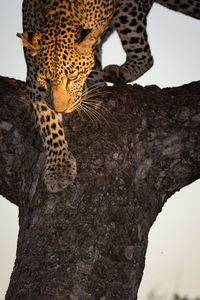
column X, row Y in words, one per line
column 30, row 40
column 89, row 42
column 27, row 38
column 83, row 33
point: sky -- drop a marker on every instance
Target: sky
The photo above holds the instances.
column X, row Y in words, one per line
column 173, row 260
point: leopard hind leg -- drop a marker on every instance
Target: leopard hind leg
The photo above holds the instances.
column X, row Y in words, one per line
column 130, row 24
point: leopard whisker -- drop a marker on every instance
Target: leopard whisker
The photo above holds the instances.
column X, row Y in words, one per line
column 97, row 93
column 97, row 113
column 88, row 113
column 89, row 91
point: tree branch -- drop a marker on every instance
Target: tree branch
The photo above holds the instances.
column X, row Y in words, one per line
column 89, row 242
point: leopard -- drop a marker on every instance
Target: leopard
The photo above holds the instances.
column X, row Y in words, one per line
column 62, row 41
column 59, row 38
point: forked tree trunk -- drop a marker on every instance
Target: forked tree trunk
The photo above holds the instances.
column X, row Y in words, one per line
column 89, row 241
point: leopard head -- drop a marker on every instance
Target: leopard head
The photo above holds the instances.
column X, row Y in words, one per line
column 64, row 57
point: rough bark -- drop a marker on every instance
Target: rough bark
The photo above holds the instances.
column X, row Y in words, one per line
column 89, row 241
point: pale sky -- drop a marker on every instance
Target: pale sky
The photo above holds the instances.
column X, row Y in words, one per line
column 173, row 255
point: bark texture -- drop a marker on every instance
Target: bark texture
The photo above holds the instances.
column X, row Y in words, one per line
column 89, row 241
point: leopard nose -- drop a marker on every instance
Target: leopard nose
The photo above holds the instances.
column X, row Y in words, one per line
column 60, row 99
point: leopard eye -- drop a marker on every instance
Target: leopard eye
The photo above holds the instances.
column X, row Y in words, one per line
column 73, row 76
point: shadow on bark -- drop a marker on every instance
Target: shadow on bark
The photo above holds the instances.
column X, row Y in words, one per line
column 89, row 241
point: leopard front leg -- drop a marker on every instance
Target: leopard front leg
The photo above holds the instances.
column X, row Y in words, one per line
column 130, row 23
column 60, row 165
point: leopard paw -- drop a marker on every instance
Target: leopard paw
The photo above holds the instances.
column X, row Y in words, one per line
column 128, row 72
column 115, row 74
column 61, row 173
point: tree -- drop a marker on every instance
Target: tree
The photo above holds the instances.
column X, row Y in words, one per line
column 89, row 241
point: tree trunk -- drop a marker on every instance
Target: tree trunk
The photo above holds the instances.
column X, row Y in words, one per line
column 89, row 241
